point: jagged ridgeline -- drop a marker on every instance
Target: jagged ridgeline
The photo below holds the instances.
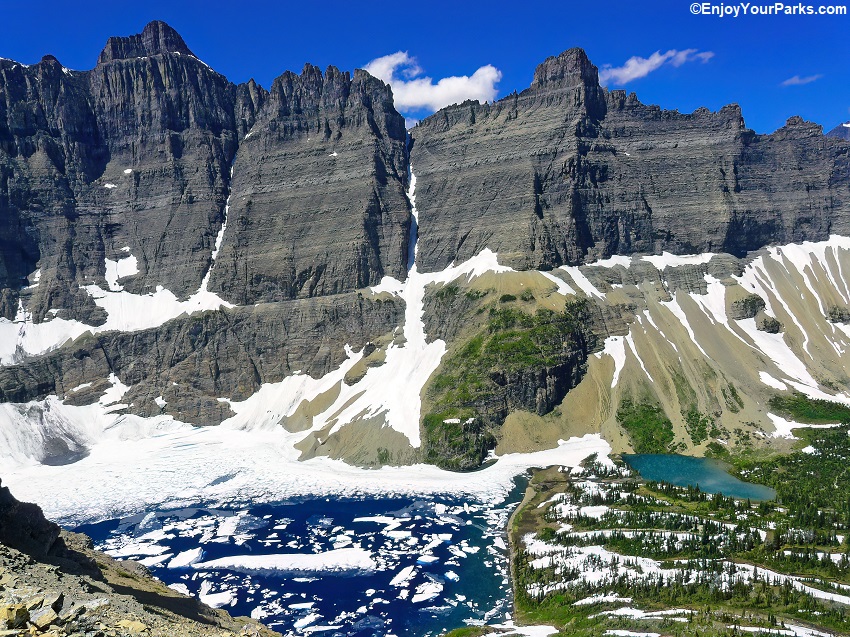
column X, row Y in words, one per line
column 173, row 245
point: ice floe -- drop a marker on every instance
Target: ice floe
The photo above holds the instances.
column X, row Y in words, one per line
column 187, row 558
column 216, row 600
column 336, row 561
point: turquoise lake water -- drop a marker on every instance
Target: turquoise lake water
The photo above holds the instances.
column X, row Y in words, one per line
column 710, row 475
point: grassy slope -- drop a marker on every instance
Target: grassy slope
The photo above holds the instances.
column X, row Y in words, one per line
column 459, row 431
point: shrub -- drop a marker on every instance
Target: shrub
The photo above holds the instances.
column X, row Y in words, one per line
column 647, row 425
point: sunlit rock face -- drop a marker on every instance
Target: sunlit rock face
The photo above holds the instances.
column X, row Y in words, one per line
column 567, row 172
column 138, row 152
column 178, row 250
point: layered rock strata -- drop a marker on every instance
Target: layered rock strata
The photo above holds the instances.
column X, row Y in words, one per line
column 567, row 172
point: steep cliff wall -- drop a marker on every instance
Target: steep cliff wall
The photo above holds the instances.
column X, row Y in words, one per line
column 230, row 246
column 318, row 203
column 139, row 156
column 567, row 172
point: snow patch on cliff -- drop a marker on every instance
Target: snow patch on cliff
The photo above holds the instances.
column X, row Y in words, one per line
column 667, row 260
column 126, row 312
column 563, row 288
column 394, row 389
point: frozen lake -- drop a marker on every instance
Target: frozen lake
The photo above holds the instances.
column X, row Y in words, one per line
column 371, row 566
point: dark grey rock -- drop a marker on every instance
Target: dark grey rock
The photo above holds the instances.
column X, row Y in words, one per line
column 767, row 323
column 166, row 117
column 24, row 527
column 193, row 360
column 318, row 204
column 842, row 131
column 566, row 172
column 838, row 314
column 138, row 153
column 156, row 38
column 747, row 307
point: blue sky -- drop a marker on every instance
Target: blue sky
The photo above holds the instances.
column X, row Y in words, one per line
column 700, row 60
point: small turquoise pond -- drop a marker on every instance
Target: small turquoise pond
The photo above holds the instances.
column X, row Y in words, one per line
column 710, row 475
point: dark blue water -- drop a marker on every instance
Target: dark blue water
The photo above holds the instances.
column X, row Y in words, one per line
column 435, row 564
column 710, row 475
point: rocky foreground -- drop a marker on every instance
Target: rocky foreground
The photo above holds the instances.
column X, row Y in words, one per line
column 52, row 582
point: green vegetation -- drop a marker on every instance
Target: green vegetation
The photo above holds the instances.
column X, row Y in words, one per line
column 647, row 425
column 810, row 410
column 776, row 557
column 815, row 487
column 838, row 314
column 732, row 398
column 447, row 293
column 483, row 380
column 770, row 325
column 700, row 426
column 456, row 439
column 470, row 631
column 527, row 296
column 507, row 298
column 716, row 450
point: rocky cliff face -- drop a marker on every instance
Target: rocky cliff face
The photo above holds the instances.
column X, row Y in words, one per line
column 136, row 156
column 190, row 362
column 567, row 172
column 317, row 204
column 842, row 131
column 118, row 157
column 218, row 239
column 168, row 121
column 24, row 528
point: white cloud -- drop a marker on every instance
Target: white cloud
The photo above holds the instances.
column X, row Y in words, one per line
column 411, row 92
column 799, row 81
column 637, row 67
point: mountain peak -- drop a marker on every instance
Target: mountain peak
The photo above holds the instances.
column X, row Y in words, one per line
column 570, row 68
column 842, row 131
column 156, row 38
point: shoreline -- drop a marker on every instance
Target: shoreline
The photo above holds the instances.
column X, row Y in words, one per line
column 232, row 468
column 527, row 496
